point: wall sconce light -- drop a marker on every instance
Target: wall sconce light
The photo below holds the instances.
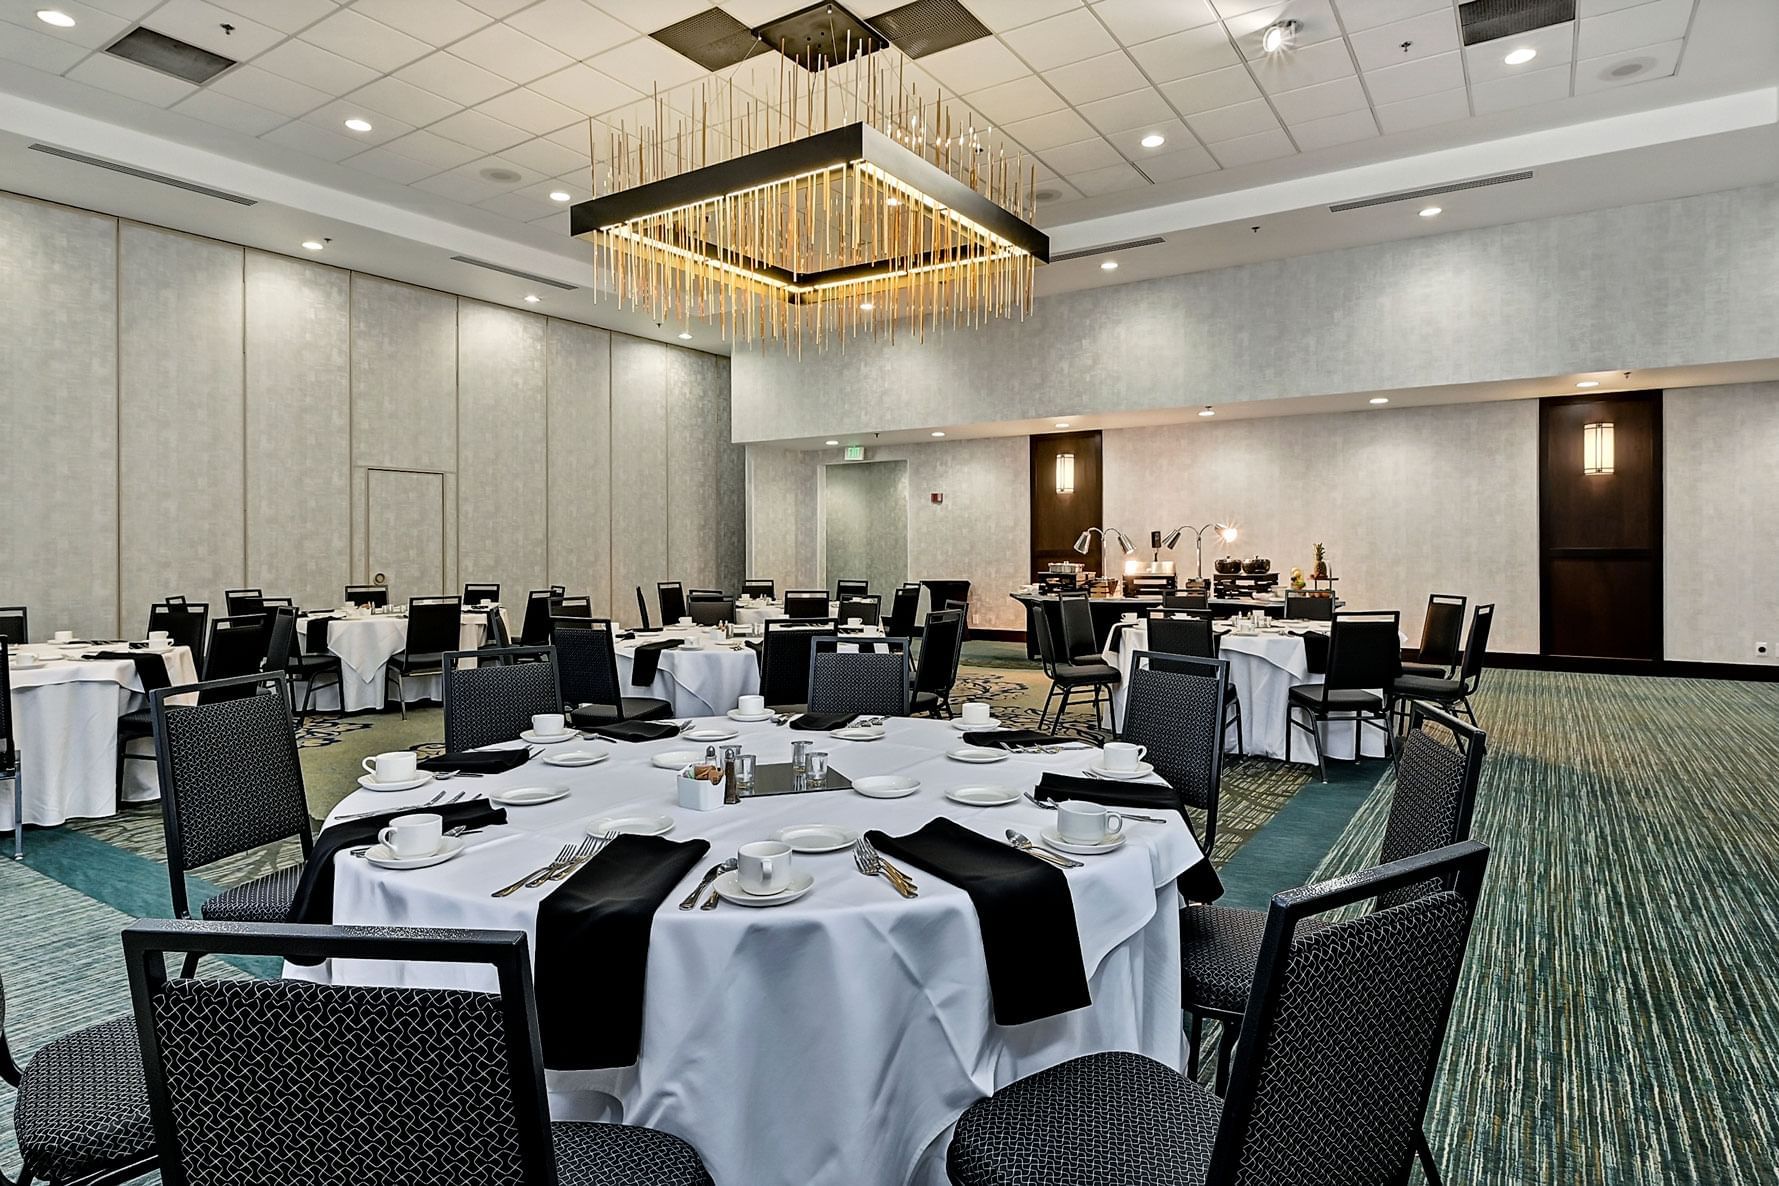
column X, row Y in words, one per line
column 1065, row 473
column 1596, row 448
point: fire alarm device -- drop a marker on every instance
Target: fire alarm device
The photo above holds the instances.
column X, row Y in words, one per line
column 936, row 497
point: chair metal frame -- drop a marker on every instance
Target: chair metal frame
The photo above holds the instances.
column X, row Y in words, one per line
column 1048, row 645
column 12, row 769
column 1380, row 719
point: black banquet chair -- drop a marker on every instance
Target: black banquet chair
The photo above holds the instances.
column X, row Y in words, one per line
column 846, row 677
column 1453, row 693
column 237, row 648
column 242, row 602
column 1308, row 607
column 867, row 608
column 435, row 624
column 477, row 594
column 11, row 765
column 587, row 656
column 904, row 608
column 845, row 589
column 1192, row 634
column 15, row 624
column 1068, row 677
column 281, row 1083
column 1442, row 637
column 711, row 608
column 1364, row 653
column 1339, row 1048
column 935, row 674
column 784, row 661
column 759, row 587
column 806, row 603
column 491, row 695
column 671, row 597
column 1173, row 706
column 184, row 621
column 376, row 596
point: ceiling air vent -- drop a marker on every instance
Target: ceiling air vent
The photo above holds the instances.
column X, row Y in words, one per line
column 712, row 38
column 1486, row 20
column 144, row 174
column 928, row 26
column 169, row 55
column 822, row 32
column 531, row 276
column 1410, row 195
column 1104, row 249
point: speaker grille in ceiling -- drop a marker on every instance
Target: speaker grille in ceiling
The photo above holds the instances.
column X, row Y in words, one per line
column 928, row 26
column 1487, row 20
column 712, row 38
column 169, row 55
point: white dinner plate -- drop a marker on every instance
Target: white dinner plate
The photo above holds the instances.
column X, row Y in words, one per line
column 576, row 757
column 858, row 733
column 1054, row 839
column 381, row 857
column 886, row 786
column 529, row 796
column 728, row 888
column 536, row 738
column 1142, row 770
column 816, row 837
column 735, row 714
column 709, row 733
column 961, row 727
column 631, row 825
column 977, row 753
column 370, row 783
column 676, row 759
column 983, row 796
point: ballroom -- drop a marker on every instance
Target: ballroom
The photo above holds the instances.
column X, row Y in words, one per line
column 889, row 592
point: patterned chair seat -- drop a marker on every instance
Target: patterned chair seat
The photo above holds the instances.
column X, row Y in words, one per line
column 1219, row 950
column 1104, row 1120
column 623, row 1155
column 83, row 1104
column 264, row 899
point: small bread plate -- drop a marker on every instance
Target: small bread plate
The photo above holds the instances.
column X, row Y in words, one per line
column 963, row 726
column 369, row 782
column 983, row 796
column 528, row 796
column 630, row 825
column 728, row 888
column 709, row 733
column 858, row 733
column 810, row 838
column 735, row 714
column 576, row 757
column 536, row 738
column 1141, row 770
column 380, row 856
column 676, row 759
column 977, row 753
column 1053, row 839
column 886, row 786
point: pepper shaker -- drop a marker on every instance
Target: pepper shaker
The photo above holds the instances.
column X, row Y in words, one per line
column 731, row 776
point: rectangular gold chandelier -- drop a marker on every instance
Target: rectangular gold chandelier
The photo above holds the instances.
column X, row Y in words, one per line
column 886, row 221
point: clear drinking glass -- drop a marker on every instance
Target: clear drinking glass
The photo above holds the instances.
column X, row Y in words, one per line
column 817, row 767
column 800, row 755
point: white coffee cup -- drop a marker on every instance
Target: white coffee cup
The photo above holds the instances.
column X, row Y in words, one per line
column 549, row 724
column 764, row 867
column 687, row 622
column 159, row 639
column 395, row 766
column 1087, row 823
column 976, row 712
column 1122, row 755
column 1128, row 617
column 418, row 835
column 855, row 622
column 62, row 636
column 749, row 706
column 694, row 642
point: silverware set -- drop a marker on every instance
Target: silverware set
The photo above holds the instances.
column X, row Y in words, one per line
column 1147, row 819
column 441, row 799
column 715, row 871
column 871, row 864
column 567, row 862
column 1024, row 844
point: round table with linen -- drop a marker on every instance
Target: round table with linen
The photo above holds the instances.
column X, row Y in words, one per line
column 365, row 643
column 698, row 683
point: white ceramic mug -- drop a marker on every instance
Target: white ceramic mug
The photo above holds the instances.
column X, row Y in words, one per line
column 62, row 636
column 687, row 623
column 418, row 835
column 855, row 623
column 395, row 766
column 1087, row 823
column 764, row 867
column 976, row 712
column 749, row 706
column 159, row 639
column 549, row 724
column 1122, row 755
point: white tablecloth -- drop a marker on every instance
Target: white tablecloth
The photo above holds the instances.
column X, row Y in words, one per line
column 753, row 613
column 65, row 717
column 364, row 646
column 833, row 1041
column 1264, row 667
column 700, row 683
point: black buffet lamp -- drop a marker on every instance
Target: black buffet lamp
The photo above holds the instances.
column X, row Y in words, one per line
column 1224, row 530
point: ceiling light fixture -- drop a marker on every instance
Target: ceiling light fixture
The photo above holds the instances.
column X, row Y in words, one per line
column 1380, row 399
column 312, row 244
column 685, row 337
column 56, row 17
column 358, row 125
column 1520, row 56
column 1062, row 423
column 938, row 434
column 531, row 298
column 561, row 195
column 1209, row 411
column 1278, row 36
column 1110, row 265
column 1154, row 140
column 866, row 306
column 1588, row 383
column 830, row 442
column 1431, row 211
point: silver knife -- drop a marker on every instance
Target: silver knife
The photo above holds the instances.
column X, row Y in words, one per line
column 716, row 871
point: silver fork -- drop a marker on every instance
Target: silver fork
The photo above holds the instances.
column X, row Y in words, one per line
column 568, row 851
column 580, row 852
column 871, row 865
column 593, row 846
column 887, row 867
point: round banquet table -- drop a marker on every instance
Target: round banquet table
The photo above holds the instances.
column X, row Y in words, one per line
column 833, row 1040
column 64, row 716
column 698, row 683
column 365, row 643
column 752, row 613
column 1263, row 667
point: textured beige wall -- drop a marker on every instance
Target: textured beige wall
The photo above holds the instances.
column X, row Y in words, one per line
column 865, row 524
column 502, row 478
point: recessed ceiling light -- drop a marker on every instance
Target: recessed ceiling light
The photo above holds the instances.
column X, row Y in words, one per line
column 1520, row 56
column 1110, row 265
column 560, row 195
column 1154, row 140
column 1062, row 423
column 1209, row 411
column 1277, row 36
column 938, row 434
column 56, row 17
column 866, row 306
column 531, row 298
column 359, row 125
column 1431, row 211
column 892, row 201
column 312, row 244
column 830, row 442
column 1380, row 399
column 1588, row 383
column 685, row 337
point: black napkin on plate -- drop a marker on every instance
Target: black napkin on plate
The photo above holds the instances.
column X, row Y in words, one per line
column 821, row 722
column 647, row 660
column 1017, row 738
column 478, row 761
column 1025, row 911
column 637, row 731
column 593, row 935
column 151, row 669
column 314, row 898
column 1200, row 882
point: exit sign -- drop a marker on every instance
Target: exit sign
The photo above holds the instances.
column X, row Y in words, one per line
column 855, row 453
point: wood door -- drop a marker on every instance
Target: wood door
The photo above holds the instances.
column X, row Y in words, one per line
column 1600, row 534
column 405, row 533
column 1058, row 518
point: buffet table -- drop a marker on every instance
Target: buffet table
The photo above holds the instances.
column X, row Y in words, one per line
column 1107, row 610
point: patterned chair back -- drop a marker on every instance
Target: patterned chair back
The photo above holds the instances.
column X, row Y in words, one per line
column 1442, row 630
column 873, row 681
column 1182, row 634
column 670, row 596
column 784, row 658
column 280, row 1082
column 1435, row 795
column 588, row 661
column 495, row 699
column 1174, row 705
column 1341, row 1038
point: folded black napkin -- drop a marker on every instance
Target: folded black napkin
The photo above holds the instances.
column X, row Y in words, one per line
column 1025, row 911
column 316, row 633
column 150, row 669
column 821, row 722
column 637, row 731
column 1199, row 883
column 627, row 635
column 314, row 899
column 593, row 940
column 479, row 761
column 1016, row 738
column 647, row 660
column 1315, row 650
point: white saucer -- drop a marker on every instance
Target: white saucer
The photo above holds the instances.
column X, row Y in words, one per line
column 728, row 888
column 985, row 726
column 1054, row 839
column 529, row 796
column 381, row 857
column 735, row 714
column 983, row 796
column 576, row 757
column 977, row 753
column 886, row 786
column 22, row 663
column 550, row 739
column 631, row 825
column 369, row 783
column 858, row 733
column 1142, row 770
column 816, row 837
column 709, row 733
column 676, row 759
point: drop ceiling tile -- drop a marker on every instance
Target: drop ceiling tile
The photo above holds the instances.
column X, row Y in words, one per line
column 1233, row 8
column 130, row 80
column 92, row 29
column 1020, row 99
column 288, row 16
column 1096, row 78
column 363, row 40
column 1139, row 109
column 479, row 131
column 1230, row 123
column 317, row 142
column 1303, row 66
column 575, row 188
column 436, row 22
column 1136, row 21
column 129, row 10
column 1000, row 15
column 1188, row 162
column 575, row 138
column 1540, row 86
column 1630, row 28
column 201, row 23
column 1424, row 76
column 431, row 149
column 1315, row 24
column 1320, row 101
column 645, row 63
column 1111, row 180
column 1050, row 131
column 556, row 222
column 1184, row 54
column 1423, row 111
column 1060, row 190
column 1216, row 88
column 517, row 207
column 40, row 51
column 1248, row 150
column 1369, row 14
column 510, row 53
column 283, row 95
column 1334, row 129
column 1428, row 34
column 1059, row 40
column 586, row 90
column 1555, row 45
column 1130, row 141
column 549, row 157
column 332, row 117
column 460, row 187
column 316, row 67
column 1589, row 8
column 1656, row 61
column 1084, row 156
column 525, row 176
column 392, row 97
column 531, row 112
column 754, row 13
column 572, row 26
column 391, row 166
column 455, row 79
column 214, row 107
column 497, row 8
column 974, row 65
column 645, row 16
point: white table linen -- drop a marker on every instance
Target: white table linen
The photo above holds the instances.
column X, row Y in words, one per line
column 64, row 716
column 705, row 682
column 752, row 613
column 365, row 645
column 836, row 1039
